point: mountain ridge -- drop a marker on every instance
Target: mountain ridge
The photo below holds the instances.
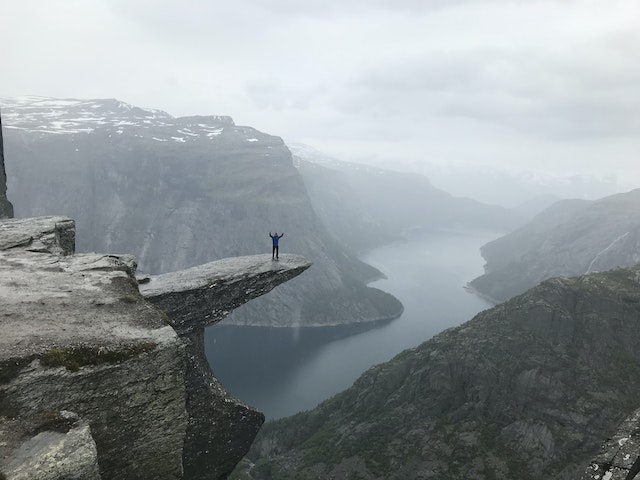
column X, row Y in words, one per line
column 571, row 237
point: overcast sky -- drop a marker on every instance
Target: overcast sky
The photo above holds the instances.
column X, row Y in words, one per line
column 552, row 86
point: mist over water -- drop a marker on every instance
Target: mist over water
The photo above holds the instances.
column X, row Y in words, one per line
column 281, row 371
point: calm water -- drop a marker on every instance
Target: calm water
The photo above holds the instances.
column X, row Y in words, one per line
column 282, row 371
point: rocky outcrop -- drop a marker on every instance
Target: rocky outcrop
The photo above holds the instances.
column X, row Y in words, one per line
column 185, row 294
column 94, row 380
column 211, row 451
column 78, row 336
column 619, row 457
column 6, row 209
column 573, row 237
column 528, row 389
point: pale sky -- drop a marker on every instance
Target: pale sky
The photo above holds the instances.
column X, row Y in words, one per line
column 550, row 86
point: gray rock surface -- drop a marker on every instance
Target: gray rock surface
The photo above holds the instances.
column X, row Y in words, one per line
column 573, row 237
column 185, row 294
column 77, row 335
column 619, row 456
column 50, row 447
column 6, row 209
column 54, row 235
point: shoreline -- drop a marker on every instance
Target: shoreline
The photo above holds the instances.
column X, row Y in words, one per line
column 335, row 331
column 474, row 291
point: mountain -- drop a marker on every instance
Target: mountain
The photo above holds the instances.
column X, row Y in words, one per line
column 571, row 237
column 508, row 185
column 366, row 206
column 179, row 192
column 526, row 390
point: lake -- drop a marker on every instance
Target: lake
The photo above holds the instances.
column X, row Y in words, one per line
column 281, row 371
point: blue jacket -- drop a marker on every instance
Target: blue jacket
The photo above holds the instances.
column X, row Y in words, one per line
column 275, row 239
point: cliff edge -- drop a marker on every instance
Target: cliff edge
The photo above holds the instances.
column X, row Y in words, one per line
column 95, row 383
column 6, row 209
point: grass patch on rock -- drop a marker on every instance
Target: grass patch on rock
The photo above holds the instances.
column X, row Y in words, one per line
column 73, row 358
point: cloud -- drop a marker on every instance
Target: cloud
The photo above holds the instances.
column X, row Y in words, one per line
column 359, row 77
column 331, row 8
column 270, row 94
column 583, row 90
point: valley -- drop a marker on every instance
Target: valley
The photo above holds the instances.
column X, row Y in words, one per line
column 282, row 371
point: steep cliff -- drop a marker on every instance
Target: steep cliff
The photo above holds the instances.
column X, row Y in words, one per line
column 6, row 209
column 527, row 390
column 179, row 192
column 220, row 429
column 94, row 380
column 572, row 237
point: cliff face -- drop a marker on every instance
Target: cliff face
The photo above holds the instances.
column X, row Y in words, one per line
column 220, row 429
column 94, row 380
column 6, row 209
column 528, row 390
column 180, row 192
column 572, row 237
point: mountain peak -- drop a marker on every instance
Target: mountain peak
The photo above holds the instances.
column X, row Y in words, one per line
column 46, row 115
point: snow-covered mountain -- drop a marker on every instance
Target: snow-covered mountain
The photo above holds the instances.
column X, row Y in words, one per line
column 69, row 116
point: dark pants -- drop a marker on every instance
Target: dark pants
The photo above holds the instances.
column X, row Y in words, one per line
column 274, row 254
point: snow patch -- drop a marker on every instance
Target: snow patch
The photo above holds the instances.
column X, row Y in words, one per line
column 252, row 140
column 186, row 131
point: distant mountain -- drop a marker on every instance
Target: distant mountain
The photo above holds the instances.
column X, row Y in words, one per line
column 526, row 390
column 571, row 237
column 366, row 206
column 535, row 205
column 510, row 187
column 178, row 192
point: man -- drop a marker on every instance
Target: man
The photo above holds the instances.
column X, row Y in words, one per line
column 274, row 239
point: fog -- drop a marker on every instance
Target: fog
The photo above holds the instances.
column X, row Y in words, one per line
column 545, row 88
